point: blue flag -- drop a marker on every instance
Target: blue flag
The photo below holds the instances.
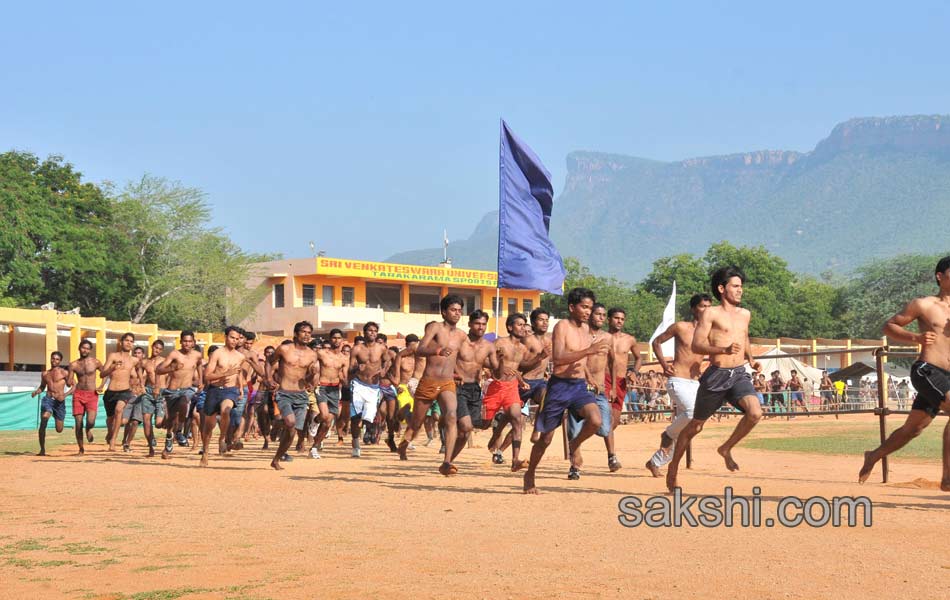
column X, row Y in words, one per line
column 527, row 260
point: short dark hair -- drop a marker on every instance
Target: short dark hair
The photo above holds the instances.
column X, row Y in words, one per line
column 579, row 293
column 597, row 305
column 185, row 334
column 722, row 276
column 230, row 328
column 266, row 348
column 56, row 353
column 411, row 338
column 359, row 338
column 510, row 321
column 449, row 301
column 942, row 265
column 477, row 314
column 336, row 331
column 128, row 334
column 300, row 325
column 370, row 324
column 159, row 342
column 250, row 335
column 697, row 298
column 382, row 336
column 211, row 349
column 615, row 310
column 85, row 343
column 537, row 313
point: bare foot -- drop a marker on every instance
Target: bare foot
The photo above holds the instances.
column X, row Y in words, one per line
column 529, row 483
column 671, row 480
column 653, row 468
column 81, row 452
column 222, row 448
column 275, row 464
column 204, row 460
column 517, row 465
column 866, row 468
column 151, row 451
column 41, row 453
column 165, row 455
column 403, row 446
column 727, row 456
column 448, row 469
column 89, row 437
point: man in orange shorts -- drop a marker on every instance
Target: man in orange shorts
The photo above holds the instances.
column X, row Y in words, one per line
column 503, row 392
column 82, row 376
column 440, row 345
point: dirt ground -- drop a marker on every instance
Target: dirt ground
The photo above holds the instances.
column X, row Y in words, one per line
column 124, row 526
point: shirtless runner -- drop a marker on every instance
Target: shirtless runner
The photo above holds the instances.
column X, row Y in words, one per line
column 403, row 368
column 722, row 333
column 440, row 346
column 53, row 381
column 150, row 401
column 85, row 399
column 118, row 369
column 181, row 367
column 296, row 370
column 223, row 378
column 332, row 376
column 368, row 363
column 567, row 387
column 503, row 394
column 473, row 355
column 596, row 376
column 930, row 375
column 682, row 378
column 621, row 346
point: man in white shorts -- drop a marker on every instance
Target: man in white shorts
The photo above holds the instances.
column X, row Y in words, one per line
column 683, row 378
column 368, row 363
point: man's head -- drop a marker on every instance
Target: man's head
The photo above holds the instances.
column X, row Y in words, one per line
column 249, row 337
column 232, row 337
column 381, row 339
column 794, row 372
column 580, row 303
column 942, row 272
column 138, row 352
column 126, row 342
column 212, row 349
column 516, row 324
column 268, row 351
column 616, row 317
column 699, row 303
column 158, row 346
column 451, row 307
column 336, row 338
column 187, row 341
column 55, row 358
column 85, row 349
column 359, row 340
column 302, row 332
column 370, row 331
column 477, row 323
column 347, row 349
column 727, row 283
column 540, row 319
column 598, row 316
column 412, row 342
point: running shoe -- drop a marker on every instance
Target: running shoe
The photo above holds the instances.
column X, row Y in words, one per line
column 442, row 449
column 152, row 442
column 169, row 445
column 498, row 458
column 356, row 453
column 314, row 427
column 181, row 439
column 574, row 474
column 314, row 453
column 287, row 458
column 613, row 464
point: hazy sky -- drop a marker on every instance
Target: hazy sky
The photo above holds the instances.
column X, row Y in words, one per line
column 369, row 128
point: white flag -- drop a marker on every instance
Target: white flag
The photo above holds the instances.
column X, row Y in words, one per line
column 669, row 317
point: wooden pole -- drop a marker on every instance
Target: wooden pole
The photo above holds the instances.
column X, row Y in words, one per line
column 882, row 407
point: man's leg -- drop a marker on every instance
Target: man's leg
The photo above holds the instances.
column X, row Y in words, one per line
column 612, row 462
column 149, row 434
column 752, row 415
column 90, row 423
column 79, row 435
column 916, row 422
column 682, row 442
column 323, row 415
column 592, row 422
column 44, row 419
column 286, row 438
column 416, row 421
column 464, row 431
column 945, row 482
column 517, row 423
column 207, row 426
column 537, row 452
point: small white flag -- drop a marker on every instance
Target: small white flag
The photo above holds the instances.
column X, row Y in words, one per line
column 669, row 317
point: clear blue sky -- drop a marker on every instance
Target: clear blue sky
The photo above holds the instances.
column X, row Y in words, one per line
column 349, row 124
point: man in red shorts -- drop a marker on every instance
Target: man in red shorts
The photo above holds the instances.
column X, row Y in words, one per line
column 621, row 345
column 82, row 377
column 503, row 394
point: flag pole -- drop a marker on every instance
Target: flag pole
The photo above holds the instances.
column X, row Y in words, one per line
column 497, row 310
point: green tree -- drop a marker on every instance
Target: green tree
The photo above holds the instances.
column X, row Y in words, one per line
column 690, row 273
column 191, row 275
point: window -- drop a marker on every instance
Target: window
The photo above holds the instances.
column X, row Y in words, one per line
column 349, row 297
column 527, row 306
column 328, row 295
column 424, row 299
column 471, row 299
column 512, row 306
column 278, row 295
column 495, row 310
column 386, row 297
column 309, row 294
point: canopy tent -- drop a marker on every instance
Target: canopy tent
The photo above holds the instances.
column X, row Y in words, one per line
column 862, row 369
column 775, row 359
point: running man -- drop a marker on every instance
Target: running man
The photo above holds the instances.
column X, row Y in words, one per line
column 930, row 374
column 367, row 365
column 296, row 369
column 332, row 376
column 682, row 378
column 150, row 402
column 182, row 367
column 403, row 369
column 265, row 390
column 440, row 346
column 621, row 345
column 502, row 395
column 223, row 380
column 596, row 376
column 722, row 333
column 53, row 381
column 118, row 369
column 567, row 389
column 82, row 379
column 473, row 355
column 132, row 414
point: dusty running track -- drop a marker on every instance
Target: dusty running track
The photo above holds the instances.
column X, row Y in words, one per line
column 124, row 526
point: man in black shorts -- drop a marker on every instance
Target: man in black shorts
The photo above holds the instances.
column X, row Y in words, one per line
column 930, row 375
column 722, row 333
column 468, row 369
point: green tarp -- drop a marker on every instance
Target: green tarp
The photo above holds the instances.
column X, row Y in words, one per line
column 20, row 412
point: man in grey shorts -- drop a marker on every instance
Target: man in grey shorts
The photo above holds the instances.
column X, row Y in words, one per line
column 331, row 366
column 295, row 364
column 683, row 378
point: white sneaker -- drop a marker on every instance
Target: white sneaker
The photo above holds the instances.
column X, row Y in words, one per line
column 411, row 446
column 314, row 427
column 314, row 453
column 356, row 453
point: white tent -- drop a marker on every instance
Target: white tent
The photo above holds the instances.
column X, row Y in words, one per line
column 776, row 359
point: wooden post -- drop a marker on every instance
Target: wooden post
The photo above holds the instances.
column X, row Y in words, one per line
column 882, row 405
column 11, row 347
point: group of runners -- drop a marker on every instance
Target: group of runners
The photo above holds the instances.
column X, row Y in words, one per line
column 575, row 375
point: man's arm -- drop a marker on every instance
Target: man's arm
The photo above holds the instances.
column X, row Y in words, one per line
column 428, row 347
column 41, row 387
column 657, row 346
column 637, row 359
column 562, row 356
column 534, row 359
column 167, row 365
column 895, row 328
column 701, row 343
column 109, row 367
